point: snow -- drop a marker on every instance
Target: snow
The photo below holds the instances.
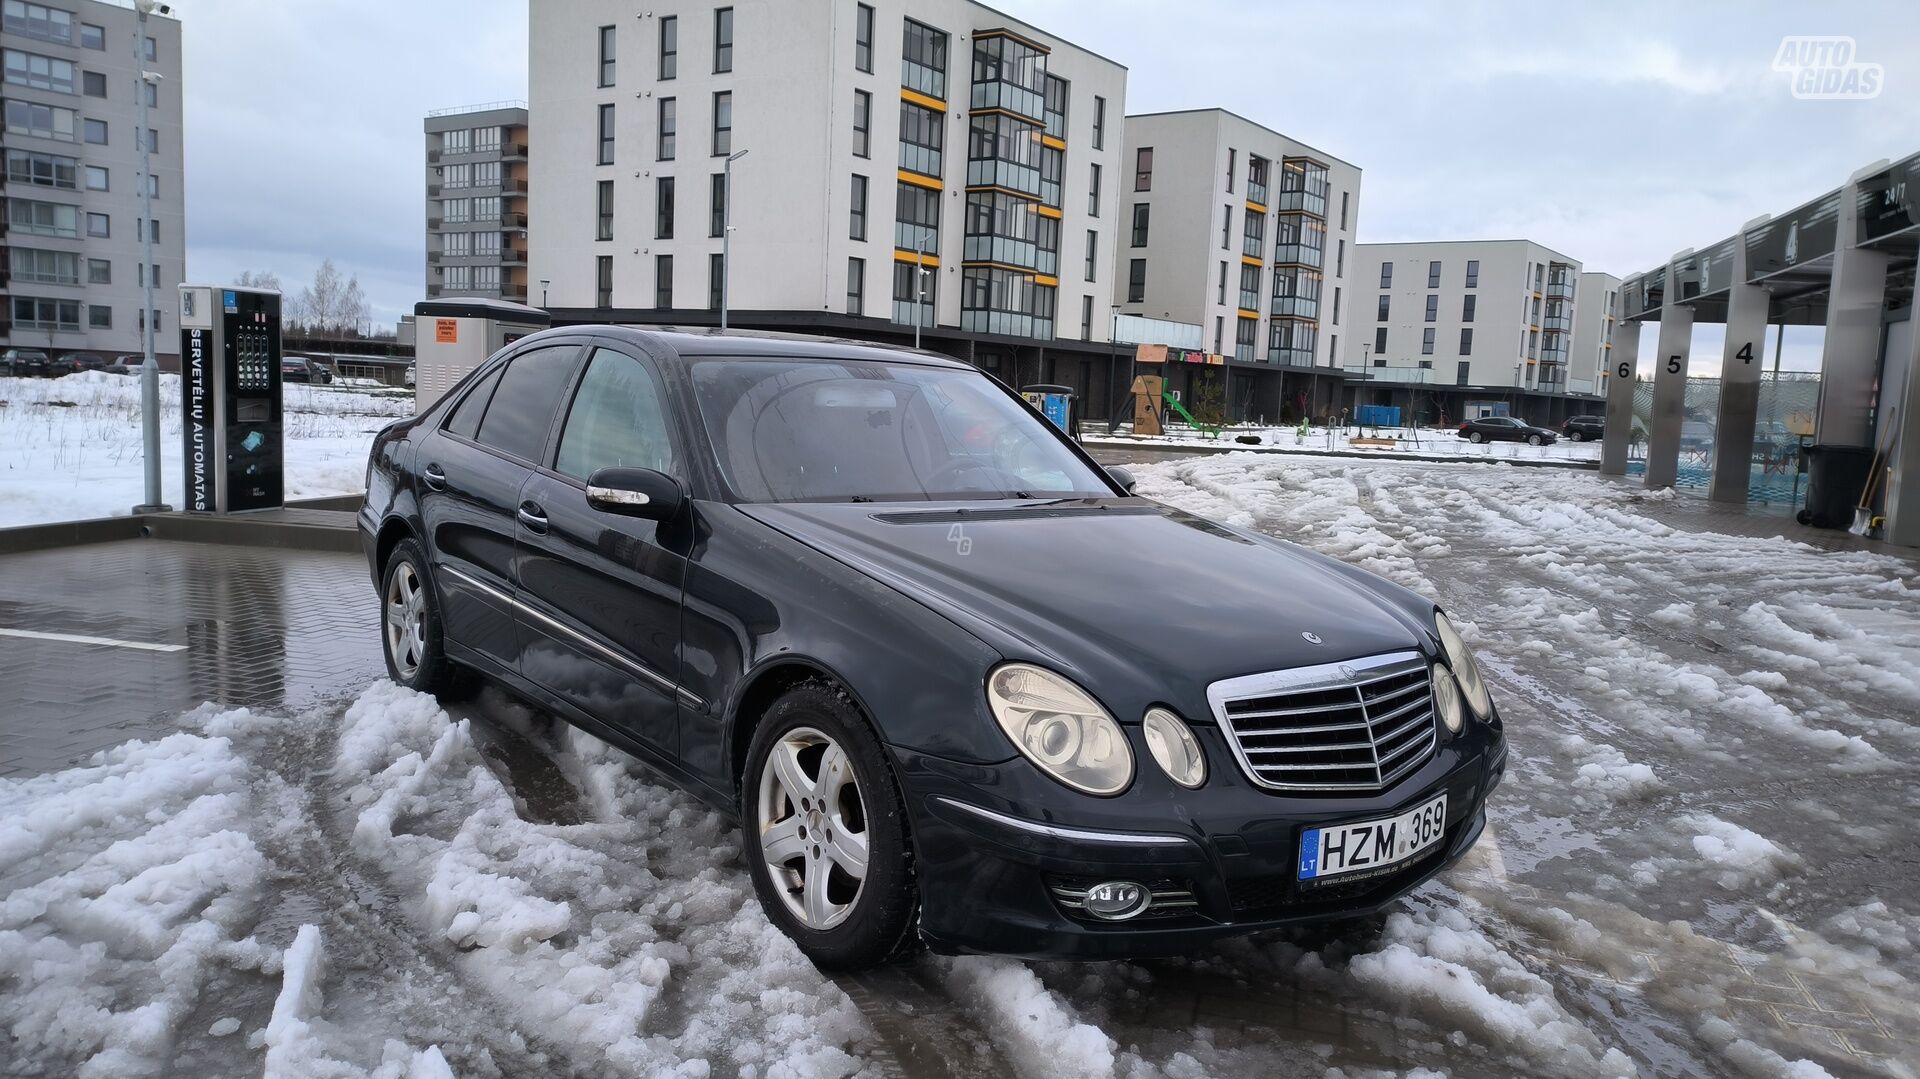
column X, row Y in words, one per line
column 71, row 448
column 1424, row 443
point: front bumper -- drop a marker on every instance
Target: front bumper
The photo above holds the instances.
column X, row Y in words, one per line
column 994, row 865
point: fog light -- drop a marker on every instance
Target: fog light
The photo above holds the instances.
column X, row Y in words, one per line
column 1117, row 900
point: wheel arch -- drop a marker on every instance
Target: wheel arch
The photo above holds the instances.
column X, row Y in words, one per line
column 763, row 686
column 392, row 530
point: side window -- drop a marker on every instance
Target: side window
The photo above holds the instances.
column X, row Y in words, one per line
column 522, row 410
column 617, row 420
column 465, row 420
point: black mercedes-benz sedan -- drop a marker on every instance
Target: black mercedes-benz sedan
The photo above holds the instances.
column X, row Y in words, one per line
column 958, row 684
column 1508, row 428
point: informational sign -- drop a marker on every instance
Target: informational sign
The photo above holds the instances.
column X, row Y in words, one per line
column 1794, row 238
column 446, row 331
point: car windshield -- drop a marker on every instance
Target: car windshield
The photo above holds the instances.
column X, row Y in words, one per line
column 859, row 430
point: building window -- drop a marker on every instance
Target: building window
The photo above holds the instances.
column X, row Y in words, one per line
column 1226, row 226
column 1466, row 341
column 669, row 129
column 1246, row 332
column 1054, row 110
column 914, row 294
column 1221, row 296
column 1466, row 308
column 862, row 121
column 663, row 281
column 99, row 272
column 923, row 60
column 99, row 225
column 1386, row 305
column 1343, row 211
column 43, row 170
column 1426, row 341
column 1380, row 341
column 717, row 206
column 153, row 141
column 40, row 21
column 603, row 281
column 1336, row 306
column 723, row 123
column 716, row 281
column 93, row 37
column 46, row 267
column 95, row 132
column 856, row 286
column 1099, row 122
column 1219, row 324
column 1340, row 260
column 36, row 313
column 857, row 209
column 99, row 316
column 1333, row 351
column 153, row 51
column 1473, row 273
column 40, row 72
column 916, row 217
column 605, row 201
column 1386, row 275
column 1093, row 253
column 1136, row 280
column 1093, row 190
column 663, row 208
column 606, row 56
column 606, row 134
column 94, row 84
column 41, row 121
column 452, row 176
column 97, row 177
column 1143, row 169
column 1433, row 274
column 1139, row 238
column 722, row 43
column 669, row 46
column 863, row 37
column 1433, row 308
column 922, row 138
column 1086, row 318
column 1233, row 156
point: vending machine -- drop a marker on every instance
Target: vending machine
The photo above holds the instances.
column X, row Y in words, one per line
column 230, row 398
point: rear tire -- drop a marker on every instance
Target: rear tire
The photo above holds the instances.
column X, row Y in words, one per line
column 1575, row 436
column 825, row 831
column 1476, row 438
column 411, row 635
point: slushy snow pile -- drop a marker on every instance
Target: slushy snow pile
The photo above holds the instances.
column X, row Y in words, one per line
column 70, row 447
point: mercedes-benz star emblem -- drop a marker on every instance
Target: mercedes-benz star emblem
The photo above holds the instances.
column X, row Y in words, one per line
column 1312, row 638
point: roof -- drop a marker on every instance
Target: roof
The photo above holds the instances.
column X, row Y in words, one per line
column 1245, row 120
column 739, row 344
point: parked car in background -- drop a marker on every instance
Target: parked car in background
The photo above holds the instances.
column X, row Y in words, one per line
column 25, row 362
column 125, row 365
column 875, row 605
column 1506, row 429
column 1584, row 428
column 408, row 377
column 84, row 361
column 302, row 369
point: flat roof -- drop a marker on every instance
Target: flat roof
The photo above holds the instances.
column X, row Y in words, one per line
column 1243, row 119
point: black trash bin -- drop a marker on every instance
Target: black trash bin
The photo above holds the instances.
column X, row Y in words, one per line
column 1835, row 477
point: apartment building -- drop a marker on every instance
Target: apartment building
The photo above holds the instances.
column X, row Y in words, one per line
column 1467, row 328
column 72, row 265
column 1248, row 234
column 477, row 202
column 1596, row 302
column 895, row 164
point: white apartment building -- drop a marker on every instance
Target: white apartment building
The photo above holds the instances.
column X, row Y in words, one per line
column 71, row 261
column 871, row 142
column 1594, row 310
column 1461, row 328
column 1250, row 235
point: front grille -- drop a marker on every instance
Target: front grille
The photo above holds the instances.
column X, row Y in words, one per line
column 1357, row 727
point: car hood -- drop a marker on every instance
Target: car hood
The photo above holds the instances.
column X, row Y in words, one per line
column 1142, row 602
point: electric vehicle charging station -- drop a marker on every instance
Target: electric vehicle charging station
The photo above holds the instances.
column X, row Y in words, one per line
column 230, row 399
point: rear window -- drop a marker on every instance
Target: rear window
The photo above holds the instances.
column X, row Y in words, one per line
column 523, row 404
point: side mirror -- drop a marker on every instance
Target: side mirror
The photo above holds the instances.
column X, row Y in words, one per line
column 1122, row 476
column 634, row 492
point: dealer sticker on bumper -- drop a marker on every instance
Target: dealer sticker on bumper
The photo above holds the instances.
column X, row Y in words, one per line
column 1373, row 844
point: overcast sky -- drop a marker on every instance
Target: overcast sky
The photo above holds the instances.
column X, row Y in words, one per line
column 1615, row 133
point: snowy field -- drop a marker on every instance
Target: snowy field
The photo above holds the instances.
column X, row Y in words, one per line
column 1701, row 863
column 1416, row 443
column 70, row 447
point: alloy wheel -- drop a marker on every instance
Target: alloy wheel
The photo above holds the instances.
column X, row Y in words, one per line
column 813, row 827
column 406, row 618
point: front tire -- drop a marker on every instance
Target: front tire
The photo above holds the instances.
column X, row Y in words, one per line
column 826, row 831
column 1535, row 440
column 411, row 635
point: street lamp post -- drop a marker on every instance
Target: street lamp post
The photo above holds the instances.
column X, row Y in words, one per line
column 149, row 369
column 726, row 231
column 920, row 285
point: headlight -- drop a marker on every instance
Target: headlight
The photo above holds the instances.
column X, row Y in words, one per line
column 1464, row 668
column 1174, row 748
column 1056, row 725
column 1446, row 700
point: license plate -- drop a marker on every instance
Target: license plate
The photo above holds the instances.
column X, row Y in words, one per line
column 1340, row 849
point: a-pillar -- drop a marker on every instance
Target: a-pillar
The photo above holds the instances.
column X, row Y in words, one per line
column 1740, row 364
column 1850, row 360
column 1617, row 436
column 1903, row 489
column 1669, row 383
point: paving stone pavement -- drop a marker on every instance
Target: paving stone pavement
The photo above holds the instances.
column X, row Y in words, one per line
column 281, row 629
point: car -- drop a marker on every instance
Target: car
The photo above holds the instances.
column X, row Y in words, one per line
column 302, row 369
column 125, row 365
column 81, row 361
column 1509, row 428
column 25, row 362
column 872, row 605
column 408, row 377
column 1584, row 428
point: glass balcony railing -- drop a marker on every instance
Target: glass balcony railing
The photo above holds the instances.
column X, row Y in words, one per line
column 1253, row 246
column 1297, row 255
column 1559, row 290
column 1022, row 178
column 1256, row 193
column 924, row 160
column 1295, row 306
column 1390, row 374
column 1553, row 355
column 1559, row 323
column 909, row 313
column 1291, row 357
column 994, row 94
column 908, row 236
column 1303, row 202
column 1249, row 299
column 922, row 79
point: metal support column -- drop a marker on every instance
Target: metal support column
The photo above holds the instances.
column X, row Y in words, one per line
column 1669, row 382
column 1903, row 489
column 1740, row 364
column 1850, row 360
column 1624, row 357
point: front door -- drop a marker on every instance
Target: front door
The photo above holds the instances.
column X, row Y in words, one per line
column 600, row 592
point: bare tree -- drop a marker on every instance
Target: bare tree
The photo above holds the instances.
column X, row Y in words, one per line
column 265, row 279
column 319, row 302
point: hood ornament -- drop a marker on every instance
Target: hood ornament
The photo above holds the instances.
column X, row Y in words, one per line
column 1311, row 637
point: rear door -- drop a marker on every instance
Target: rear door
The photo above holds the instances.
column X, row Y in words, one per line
column 470, row 475
column 600, row 592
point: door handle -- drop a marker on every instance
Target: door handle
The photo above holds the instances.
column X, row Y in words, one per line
column 435, row 477
column 534, row 518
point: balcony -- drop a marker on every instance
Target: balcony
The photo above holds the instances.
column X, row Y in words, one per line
column 433, row 223
column 1557, row 324
column 513, row 256
column 514, row 220
column 1295, row 307
column 1559, row 290
column 1305, row 202
column 1399, row 374
column 514, row 151
column 433, row 190
column 432, row 156
column 987, row 172
column 1249, row 300
column 1290, row 357
column 1298, row 255
column 1256, row 193
column 513, row 185
column 433, row 256
column 995, row 94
